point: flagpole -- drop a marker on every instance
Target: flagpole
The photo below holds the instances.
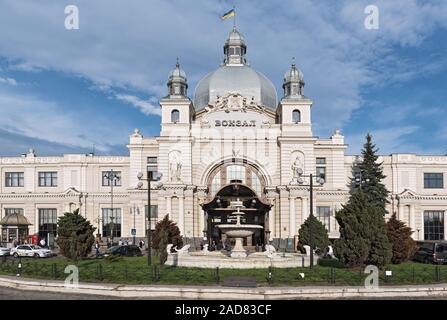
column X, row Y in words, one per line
column 234, row 17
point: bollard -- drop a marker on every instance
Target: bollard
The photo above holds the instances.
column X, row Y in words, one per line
column 217, row 275
column 270, row 275
column 54, row 269
column 437, row 274
column 19, row 269
column 332, row 270
column 99, row 272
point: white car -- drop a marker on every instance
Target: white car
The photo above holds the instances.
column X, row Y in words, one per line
column 30, row 251
column 4, row 251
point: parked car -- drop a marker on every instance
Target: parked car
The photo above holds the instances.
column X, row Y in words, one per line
column 27, row 250
column 431, row 252
column 126, row 251
column 4, row 251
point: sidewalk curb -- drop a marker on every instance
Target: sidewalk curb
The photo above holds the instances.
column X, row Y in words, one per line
column 203, row 292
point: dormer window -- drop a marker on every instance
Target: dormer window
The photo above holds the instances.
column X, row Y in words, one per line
column 175, row 116
column 296, row 116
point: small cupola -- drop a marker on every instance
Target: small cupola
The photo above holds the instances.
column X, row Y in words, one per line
column 293, row 84
column 177, row 83
column 235, row 48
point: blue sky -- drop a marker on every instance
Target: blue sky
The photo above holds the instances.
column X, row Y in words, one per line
column 65, row 91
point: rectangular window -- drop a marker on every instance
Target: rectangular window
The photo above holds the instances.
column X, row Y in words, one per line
column 433, row 180
column 321, row 160
column 111, row 222
column 109, row 176
column 434, row 225
column 151, row 160
column 47, row 222
column 14, row 179
column 323, row 214
column 154, row 211
column 47, row 179
column 9, row 211
column 321, row 172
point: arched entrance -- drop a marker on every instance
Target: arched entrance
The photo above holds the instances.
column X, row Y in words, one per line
column 218, row 212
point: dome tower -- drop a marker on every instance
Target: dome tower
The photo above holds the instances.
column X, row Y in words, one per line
column 293, row 84
column 177, row 84
column 235, row 48
column 235, row 76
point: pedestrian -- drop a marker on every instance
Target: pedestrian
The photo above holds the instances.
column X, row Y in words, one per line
column 97, row 249
column 108, row 243
column 142, row 243
column 42, row 243
column 120, row 242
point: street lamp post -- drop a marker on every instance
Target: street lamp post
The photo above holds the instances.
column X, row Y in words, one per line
column 134, row 230
column 112, row 177
column 152, row 174
column 311, row 187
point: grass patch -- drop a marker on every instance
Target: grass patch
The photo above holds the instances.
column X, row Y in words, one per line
column 136, row 271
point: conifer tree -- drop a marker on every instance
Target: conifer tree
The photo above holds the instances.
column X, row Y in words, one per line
column 162, row 252
column 75, row 235
column 363, row 239
column 318, row 233
column 399, row 235
column 173, row 233
column 372, row 176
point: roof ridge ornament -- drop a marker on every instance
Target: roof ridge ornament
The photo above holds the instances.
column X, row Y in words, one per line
column 234, row 102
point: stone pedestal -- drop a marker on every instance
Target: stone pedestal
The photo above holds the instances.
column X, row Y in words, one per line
column 238, row 250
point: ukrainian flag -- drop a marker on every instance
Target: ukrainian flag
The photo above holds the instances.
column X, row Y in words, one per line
column 229, row 14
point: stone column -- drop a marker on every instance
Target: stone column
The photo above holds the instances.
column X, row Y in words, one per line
column 181, row 215
column 445, row 224
column 305, row 212
column 412, row 223
column 168, row 207
column 292, row 217
column 272, row 221
column 400, row 211
column 201, row 222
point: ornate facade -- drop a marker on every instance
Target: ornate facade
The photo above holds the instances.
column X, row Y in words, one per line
column 234, row 139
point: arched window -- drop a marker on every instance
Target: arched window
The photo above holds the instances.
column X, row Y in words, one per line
column 296, row 116
column 175, row 116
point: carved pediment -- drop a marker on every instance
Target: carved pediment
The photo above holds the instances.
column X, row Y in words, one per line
column 72, row 192
column 234, row 102
column 407, row 193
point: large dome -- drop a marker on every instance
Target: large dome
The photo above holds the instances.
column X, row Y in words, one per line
column 235, row 76
column 235, row 79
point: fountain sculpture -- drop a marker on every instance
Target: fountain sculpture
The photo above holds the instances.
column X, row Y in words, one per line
column 238, row 258
column 238, row 231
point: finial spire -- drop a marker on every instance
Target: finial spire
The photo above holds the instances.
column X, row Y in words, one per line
column 177, row 64
column 234, row 18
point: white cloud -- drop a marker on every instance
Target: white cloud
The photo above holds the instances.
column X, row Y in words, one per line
column 146, row 107
column 388, row 140
column 9, row 81
column 133, row 45
column 35, row 118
